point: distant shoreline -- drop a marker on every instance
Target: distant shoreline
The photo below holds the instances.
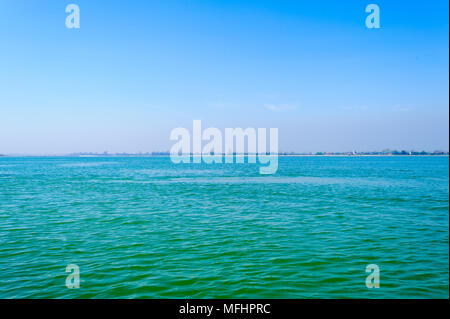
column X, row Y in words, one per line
column 279, row 155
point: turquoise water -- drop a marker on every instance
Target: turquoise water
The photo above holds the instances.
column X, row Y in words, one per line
column 146, row 228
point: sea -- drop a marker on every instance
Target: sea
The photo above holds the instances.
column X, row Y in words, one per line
column 144, row 227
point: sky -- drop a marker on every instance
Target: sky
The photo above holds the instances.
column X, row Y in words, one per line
column 135, row 70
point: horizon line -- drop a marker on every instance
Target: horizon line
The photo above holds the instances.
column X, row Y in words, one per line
column 386, row 152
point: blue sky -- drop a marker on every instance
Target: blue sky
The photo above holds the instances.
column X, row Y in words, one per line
column 137, row 69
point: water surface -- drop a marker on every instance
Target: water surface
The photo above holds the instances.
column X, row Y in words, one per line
column 147, row 228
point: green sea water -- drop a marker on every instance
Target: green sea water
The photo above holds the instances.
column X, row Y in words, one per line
column 144, row 227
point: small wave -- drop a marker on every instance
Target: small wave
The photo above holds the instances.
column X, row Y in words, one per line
column 86, row 164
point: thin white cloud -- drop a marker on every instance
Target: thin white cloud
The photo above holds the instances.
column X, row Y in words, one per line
column 280, row 107
column 354, row 108
column 400, row 108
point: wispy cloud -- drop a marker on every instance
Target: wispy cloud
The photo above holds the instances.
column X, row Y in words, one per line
column 280, row 107
column 354, row 108
column 221, row 104
column 400, row 108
